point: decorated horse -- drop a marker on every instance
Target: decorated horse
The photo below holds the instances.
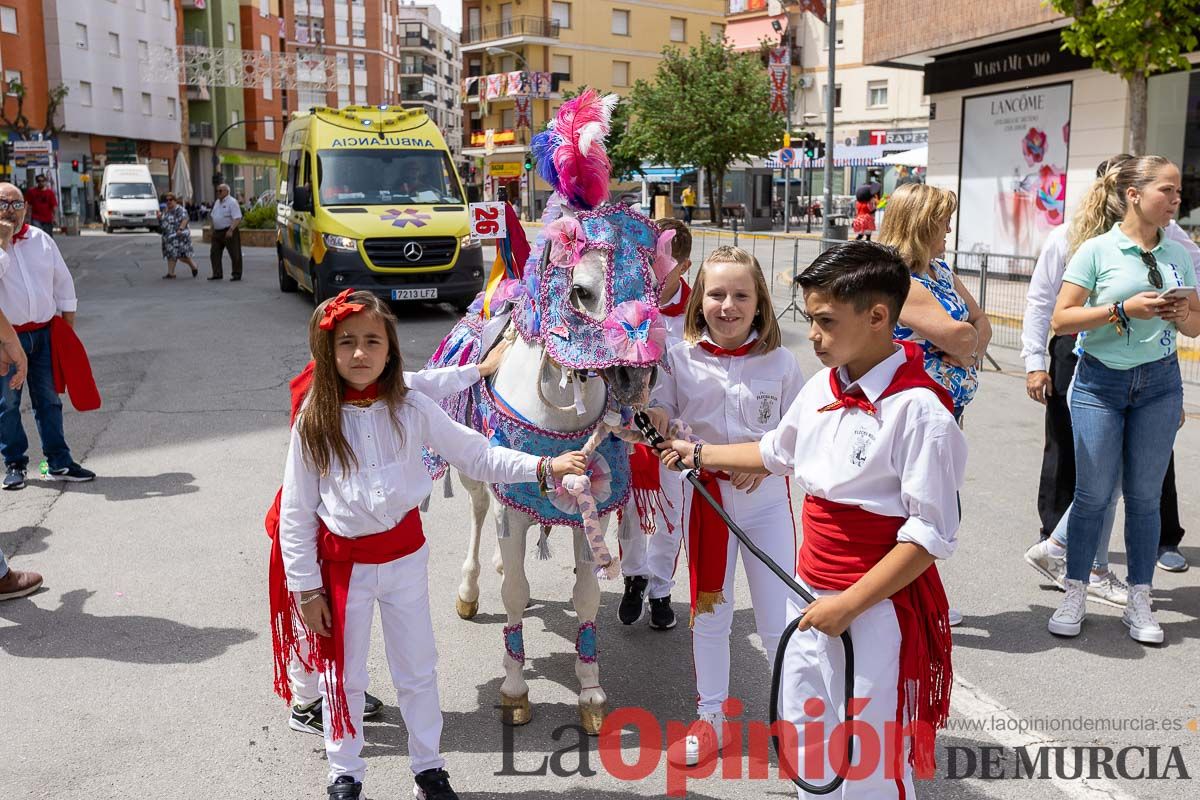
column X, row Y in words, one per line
column 581, row 313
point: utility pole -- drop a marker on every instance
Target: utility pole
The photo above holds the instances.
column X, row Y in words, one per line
column 826, row 218
column 786, row 40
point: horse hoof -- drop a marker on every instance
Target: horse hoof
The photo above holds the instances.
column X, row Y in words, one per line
column 591, row 716
column 466, row 610
column 515, row 710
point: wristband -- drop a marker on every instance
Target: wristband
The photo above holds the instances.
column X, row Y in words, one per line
column 696, row 455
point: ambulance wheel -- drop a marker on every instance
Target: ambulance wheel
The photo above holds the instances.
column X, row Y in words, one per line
column 287, row 284
column 319, row 293
column 107, row 228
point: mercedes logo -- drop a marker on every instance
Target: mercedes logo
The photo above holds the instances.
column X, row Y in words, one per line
column 413, row 252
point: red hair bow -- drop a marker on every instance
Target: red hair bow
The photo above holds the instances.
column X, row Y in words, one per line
column 338, row 308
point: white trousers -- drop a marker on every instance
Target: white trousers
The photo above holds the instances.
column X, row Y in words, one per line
column 766, row 517
column 401, row 588
column 814, row 667
column 655, row 557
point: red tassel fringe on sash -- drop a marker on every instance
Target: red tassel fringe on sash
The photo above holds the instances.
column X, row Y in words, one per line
column 841, row 544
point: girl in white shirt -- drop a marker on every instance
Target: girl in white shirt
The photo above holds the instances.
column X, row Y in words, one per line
column 350, row 532
column 730, row 381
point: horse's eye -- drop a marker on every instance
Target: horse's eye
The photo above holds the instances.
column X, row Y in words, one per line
column 581, row 293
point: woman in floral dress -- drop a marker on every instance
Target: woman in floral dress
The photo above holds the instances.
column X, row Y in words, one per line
column 176, row 237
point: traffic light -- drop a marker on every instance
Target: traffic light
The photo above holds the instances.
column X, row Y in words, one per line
column 75, row 165
column 787, row 140
column 528, row 162
column 821, row 149
column 810, row 145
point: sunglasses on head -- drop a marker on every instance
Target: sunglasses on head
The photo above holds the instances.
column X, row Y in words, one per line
column 1156, row 278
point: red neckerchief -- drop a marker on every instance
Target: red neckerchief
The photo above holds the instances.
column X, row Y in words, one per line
column 351, row 395
column 678, row 307
column 910, row 374
column 21, row 234
column 717, row 350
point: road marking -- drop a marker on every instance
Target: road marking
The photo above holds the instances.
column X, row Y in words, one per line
column 969, row 701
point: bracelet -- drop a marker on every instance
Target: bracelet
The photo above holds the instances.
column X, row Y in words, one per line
column 306, row 600
column 696, row 455
column 544, row 473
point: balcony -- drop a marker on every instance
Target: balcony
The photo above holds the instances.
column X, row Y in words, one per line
column 195, row 38
column 508, row 32
column 200, row 130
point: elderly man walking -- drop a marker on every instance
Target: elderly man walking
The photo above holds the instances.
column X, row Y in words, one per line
column 226, row 215
column 35, row 287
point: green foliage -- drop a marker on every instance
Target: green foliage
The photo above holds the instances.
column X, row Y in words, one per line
column 259, row 218
column 1127, row 37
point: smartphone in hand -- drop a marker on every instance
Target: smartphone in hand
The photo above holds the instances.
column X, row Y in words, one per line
column 1177, row 293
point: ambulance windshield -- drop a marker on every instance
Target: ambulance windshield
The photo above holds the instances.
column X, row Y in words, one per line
column 374, row 176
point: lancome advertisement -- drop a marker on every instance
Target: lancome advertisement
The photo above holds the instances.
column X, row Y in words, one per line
column 1012, row 189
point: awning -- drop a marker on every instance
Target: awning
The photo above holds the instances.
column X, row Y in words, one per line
column 658, row 174
column 747, row 34
column 917, row 157
column 853, row 155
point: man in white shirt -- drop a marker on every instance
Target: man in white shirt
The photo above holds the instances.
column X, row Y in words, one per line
column 35, row 286
column 226, row 216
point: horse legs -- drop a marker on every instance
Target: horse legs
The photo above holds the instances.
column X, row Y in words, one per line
column 514, row 590
column 467, row 602
column 586, row 599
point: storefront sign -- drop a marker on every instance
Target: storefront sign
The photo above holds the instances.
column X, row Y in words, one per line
column 1012, row 184
column 1015, row 60
column 505, row 169
column 906, row 136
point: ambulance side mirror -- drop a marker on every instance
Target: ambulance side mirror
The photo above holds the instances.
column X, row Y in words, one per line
column 302, row 199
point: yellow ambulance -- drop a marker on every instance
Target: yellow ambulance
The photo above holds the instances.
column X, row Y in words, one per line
column 369, row 199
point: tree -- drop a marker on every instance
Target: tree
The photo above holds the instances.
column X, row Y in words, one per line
column 709, row 107
column 19, row 124
column 625, row 162
column 1133, row 39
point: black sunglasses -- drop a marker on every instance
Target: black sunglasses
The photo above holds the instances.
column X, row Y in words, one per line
column 1156, row 278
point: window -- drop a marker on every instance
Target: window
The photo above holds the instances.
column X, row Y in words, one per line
column 561, row 13
column 170, row 108
column 678, row 29
column 341, row 31
column 877, row 93
column 474, row 22
column 620, row 73
column 561, row 65
column 620, row 22
column 11, row 76
column 143, row 50
column 230, row 32
column 360, row 95
column 837, row 95
column 81, row 38
column 507, row 119
column 841, row 35
column 264, row 8
column 166, row 8
column 268, row 86
column 147, row 104
column 8, row 19
column 118, row 99
column 234, row 116
column 269, row 128
column 85, row 93
column 114, row 44
column 716, row 31
column 358, row 35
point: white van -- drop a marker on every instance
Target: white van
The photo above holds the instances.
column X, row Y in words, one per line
column 128, row 198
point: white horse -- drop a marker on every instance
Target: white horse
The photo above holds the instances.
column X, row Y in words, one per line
column 531, row 382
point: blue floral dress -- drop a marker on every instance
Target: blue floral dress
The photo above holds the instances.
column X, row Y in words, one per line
column 962, row 383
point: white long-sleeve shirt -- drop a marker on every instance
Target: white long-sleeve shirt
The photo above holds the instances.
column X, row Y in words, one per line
column 35, row 283
column 907, row 460
column 389, row 481
column 441, row 382
column 728, row 399
column 1046, row 281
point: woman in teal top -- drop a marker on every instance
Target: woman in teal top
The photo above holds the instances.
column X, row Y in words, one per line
column 1127, row 398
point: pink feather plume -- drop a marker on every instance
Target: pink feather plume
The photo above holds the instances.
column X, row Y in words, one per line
column 581, row 160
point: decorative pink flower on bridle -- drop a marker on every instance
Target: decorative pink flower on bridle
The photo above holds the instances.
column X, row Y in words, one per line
column 337, row 309
column 664, row 262
column 635, row 332
column 599, row 473
column 567, row 240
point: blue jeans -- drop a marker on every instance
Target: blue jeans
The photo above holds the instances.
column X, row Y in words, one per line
column 1125, row 423
column 47, row 408
column 3, row 565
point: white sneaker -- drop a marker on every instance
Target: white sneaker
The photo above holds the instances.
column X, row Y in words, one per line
column 1053, row 568
column 1139, row 617
column 1068, row 619
column 955, row 617
column 704, row 738
column 1108, row 588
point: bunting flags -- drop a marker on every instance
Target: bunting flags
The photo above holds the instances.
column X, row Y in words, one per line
column 518, row 83
column 779, row 64
column 495, row 86
column 542, row 84
column 523, row 118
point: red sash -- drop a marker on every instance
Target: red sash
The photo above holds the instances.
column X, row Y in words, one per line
column 841, row 544
column 708, row 547
column 69, row 359
column 680, row 305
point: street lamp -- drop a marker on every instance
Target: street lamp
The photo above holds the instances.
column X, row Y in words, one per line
column 526, row 175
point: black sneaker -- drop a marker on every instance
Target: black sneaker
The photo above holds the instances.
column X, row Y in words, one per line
column 14, row 478
column 662, row 616
column 372, row 706
column 633, row 603
column 73, row 473
column 307, row 719
column 433, row 784
column 344, row 788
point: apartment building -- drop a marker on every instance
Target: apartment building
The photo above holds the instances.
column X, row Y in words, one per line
column 877, row 109
column 430, row 73
column 602, row 44
column 1017, row 125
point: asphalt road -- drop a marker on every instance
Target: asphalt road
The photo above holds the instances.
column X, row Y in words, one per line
column 143, row 667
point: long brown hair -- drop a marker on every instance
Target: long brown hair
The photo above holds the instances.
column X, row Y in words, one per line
column 916, row 215
column 1105, row 203
column 769, row 336
column 320, row 423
